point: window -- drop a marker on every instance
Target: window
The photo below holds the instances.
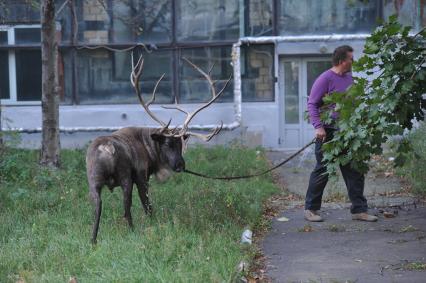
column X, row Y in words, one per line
column 142, row 21
column 20, row 69
column 260, row 18
column 3, row 37
column 104, row 77
column 193, row 87
column 196, row 20
column 4, row 75
column 19, row 11
column 327, row 16
column 257, row 73
column 406, row 11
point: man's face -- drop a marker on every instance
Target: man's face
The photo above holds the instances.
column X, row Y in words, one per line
column 347, row 63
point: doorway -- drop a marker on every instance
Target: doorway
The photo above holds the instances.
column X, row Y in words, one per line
column 296, row 77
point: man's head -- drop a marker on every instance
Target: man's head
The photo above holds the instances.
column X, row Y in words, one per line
column 343, row 58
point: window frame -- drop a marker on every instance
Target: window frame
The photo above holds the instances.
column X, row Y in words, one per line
column 11, row 47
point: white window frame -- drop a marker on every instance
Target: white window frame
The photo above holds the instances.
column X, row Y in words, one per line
column 13, row 95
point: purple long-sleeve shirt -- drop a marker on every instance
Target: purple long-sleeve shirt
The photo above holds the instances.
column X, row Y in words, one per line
column 328, row 82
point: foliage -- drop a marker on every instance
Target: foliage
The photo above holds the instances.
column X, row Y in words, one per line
column 193, row 235
column 384, row 105
column 414, row 169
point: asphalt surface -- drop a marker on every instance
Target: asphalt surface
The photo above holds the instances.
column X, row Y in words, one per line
column 340, row 249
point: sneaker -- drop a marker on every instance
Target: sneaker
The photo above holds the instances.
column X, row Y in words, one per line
column 363, row 216
column 313, row 216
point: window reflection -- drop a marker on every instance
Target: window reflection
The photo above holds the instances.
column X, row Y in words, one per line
column 142, row 21
column 13, row 11
column 193, row 87
column 27, row 35
column 404, row 9
column 3, row 37
column 260, row 18
column 257, row 73
column 207, row 20
column 327, row 16
column 4, row 74
column 314, row 69
column 28, row 79
column 96, row 85
column 291, row 92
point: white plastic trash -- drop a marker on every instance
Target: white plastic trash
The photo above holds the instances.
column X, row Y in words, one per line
column 246, row 236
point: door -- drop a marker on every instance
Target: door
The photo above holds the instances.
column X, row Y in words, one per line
column 297, row 76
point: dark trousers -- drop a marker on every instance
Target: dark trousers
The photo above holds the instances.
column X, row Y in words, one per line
column 354, row 181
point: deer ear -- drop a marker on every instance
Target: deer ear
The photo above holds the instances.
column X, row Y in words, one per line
column 158, row 138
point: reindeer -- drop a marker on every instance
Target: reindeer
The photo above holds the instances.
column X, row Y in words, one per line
column 132, row 154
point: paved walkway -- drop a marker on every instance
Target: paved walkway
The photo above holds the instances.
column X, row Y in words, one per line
column 339, row 249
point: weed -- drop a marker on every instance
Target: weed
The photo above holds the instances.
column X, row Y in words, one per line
column 415, row 266
column 336, row 228
column 306, row 228
column 408, row 228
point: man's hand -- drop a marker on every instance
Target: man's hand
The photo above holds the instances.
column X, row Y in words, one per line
column 320, row 134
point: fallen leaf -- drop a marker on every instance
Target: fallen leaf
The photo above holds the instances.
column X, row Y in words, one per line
column 387, row 214
column 388, row 174
column 283, row 219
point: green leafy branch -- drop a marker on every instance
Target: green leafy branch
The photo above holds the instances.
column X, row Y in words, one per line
column 383, row 101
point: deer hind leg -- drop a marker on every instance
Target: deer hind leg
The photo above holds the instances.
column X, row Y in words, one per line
column 143, row 195
column 95, row 194
column 127, row 186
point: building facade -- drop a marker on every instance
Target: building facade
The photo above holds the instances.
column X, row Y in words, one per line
column 273, row 48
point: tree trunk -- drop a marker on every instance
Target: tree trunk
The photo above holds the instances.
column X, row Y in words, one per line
column 50, row 148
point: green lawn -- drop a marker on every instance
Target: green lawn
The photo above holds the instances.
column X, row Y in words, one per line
column 193, row 235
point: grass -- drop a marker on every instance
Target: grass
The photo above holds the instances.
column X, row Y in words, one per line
column 193, row 235
column 419, row 266
column 414, row 169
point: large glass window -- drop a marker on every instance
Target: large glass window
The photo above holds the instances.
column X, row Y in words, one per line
column 27, row 35
column 4, row 74
column 19, row 11
column 257, row 73
column 291, row 92
column 20, row 69
column 406, row 11
column 3, row 37
column 28, row 75
column 206, row 20
column 193, row 87
column 260, row 18
column 104, row 77
column 142, row 21
column 298, row 17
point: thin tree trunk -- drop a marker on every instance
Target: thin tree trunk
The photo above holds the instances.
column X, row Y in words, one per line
column 50, row 149
column 1, row 129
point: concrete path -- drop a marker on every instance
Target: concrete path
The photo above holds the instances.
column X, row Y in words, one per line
column 340, row 249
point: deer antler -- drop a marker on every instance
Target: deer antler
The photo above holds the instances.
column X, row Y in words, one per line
column 134, row 79
column 190, row 116
column 178, row 131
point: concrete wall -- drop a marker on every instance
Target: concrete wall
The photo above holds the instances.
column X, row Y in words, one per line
column 259, row 124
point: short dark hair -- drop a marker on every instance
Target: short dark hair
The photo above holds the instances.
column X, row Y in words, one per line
column 341, row 53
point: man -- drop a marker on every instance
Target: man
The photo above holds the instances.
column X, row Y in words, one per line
column 336, row 79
